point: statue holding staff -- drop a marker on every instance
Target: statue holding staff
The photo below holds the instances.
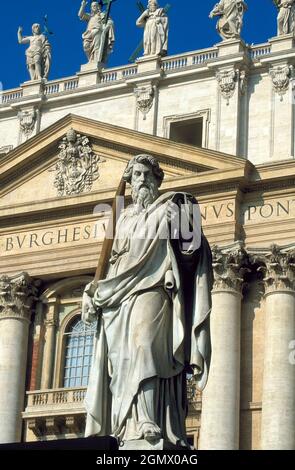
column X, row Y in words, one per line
column 152, row 299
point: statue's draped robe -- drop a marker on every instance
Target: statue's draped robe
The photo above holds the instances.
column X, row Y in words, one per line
column 155, row 38
column 230, row 23
column 286, row 20
column 38, row 52
column 145, row 333
column 98, row 38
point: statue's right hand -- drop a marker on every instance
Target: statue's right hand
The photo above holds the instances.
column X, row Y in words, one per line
column 20, row 29
column 89, row 314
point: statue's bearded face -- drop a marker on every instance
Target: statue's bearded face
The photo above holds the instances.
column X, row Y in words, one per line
column 144, row 185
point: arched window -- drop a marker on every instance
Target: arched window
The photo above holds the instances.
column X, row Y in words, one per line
column 78, row 353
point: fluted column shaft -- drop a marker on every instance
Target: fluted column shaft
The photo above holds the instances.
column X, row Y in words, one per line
column 278, row 399
column 221, row 398
column 16, row 296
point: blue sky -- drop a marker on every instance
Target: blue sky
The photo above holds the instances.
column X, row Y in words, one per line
column 190, row 29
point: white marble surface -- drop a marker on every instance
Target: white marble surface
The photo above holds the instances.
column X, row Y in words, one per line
column 13, row 353
column 256, row 125
column 278, row 410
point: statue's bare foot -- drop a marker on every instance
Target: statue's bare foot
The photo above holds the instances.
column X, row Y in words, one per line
column 151, row 432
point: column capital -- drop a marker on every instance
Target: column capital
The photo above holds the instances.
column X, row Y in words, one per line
column 17, row 294
column 229, row 267
column 278, row 270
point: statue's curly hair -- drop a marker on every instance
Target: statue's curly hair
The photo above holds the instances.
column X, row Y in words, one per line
column 145, row 160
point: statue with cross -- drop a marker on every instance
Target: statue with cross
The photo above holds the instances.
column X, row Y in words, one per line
column 154, row 20
column 99, row 37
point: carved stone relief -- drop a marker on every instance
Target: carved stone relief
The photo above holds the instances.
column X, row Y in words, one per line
column 77, row 166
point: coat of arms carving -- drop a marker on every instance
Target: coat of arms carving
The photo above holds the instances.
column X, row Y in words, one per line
column 77, row 166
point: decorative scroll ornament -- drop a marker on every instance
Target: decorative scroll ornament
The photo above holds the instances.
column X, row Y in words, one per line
column 281, row 76
column 229, row 268
column 17, row 295
column 77, row 167
column 27, row 121
column 144, row 99
column 227, row 80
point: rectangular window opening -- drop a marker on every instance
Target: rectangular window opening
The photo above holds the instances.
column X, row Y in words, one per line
column 188, row 131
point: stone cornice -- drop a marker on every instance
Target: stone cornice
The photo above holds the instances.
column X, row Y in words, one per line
column 17, row 295
column 49, row 137
column 212, row 180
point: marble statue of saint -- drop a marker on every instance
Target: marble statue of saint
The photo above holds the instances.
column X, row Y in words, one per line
column 155, row 23
column 153, row 311
column 231, row 13
column 38, row 54
column 286, row 17
column 99, row 37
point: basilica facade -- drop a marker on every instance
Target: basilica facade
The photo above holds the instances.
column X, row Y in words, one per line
column 221, row 123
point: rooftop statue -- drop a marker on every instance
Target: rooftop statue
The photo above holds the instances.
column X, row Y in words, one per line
column 99, row 37
column 38, row 54
column 230, row 13
column 154, row 20
column 286, row 17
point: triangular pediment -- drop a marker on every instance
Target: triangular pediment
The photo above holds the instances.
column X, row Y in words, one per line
column 27, row 174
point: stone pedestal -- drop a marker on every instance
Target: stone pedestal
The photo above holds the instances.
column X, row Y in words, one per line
column 278, row 399
column 149, row 64
column 33, row 88
column 16, row 297
column 90, row 74
column 221, row 398
column 282, row 43
column 144, row 445
column 230, row 47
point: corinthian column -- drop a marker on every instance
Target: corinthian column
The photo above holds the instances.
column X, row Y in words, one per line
column 278, row 399
column 221, row 398
column 16, row 297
